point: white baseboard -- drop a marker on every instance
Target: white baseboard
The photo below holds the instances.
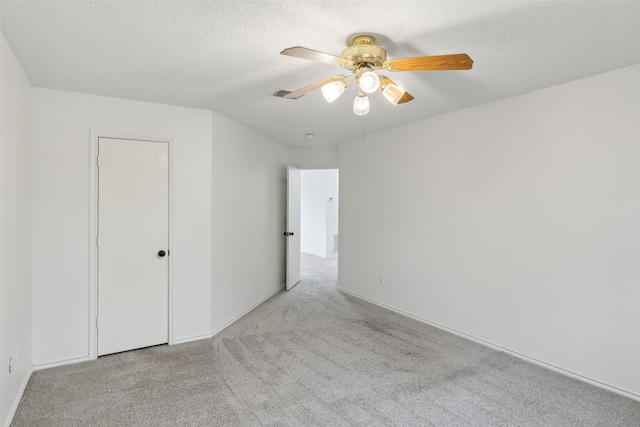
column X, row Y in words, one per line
column 177, row 341
column 61, row 363
column 237, row 317
column 192, row 338
column 228, row 323
column 16, row 403
column 608, row 387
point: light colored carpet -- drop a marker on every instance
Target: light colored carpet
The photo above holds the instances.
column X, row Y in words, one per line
column 316, row 357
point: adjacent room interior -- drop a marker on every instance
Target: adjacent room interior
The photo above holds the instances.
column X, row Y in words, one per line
column 498, row 208
column 319, row 213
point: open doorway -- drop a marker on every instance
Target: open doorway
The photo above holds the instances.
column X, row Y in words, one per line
column 319, row 224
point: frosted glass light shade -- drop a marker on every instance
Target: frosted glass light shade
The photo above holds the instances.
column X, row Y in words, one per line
column 395, row 94
column 369, row 82
column 331, row 91
column 361, row 104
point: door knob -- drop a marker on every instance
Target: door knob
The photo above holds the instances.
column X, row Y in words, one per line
column 161, row 254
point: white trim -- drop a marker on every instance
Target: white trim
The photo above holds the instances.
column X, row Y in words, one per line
column 571, row 374
column 93, row 230
column 176, row 341
column 16, row 403
column 61, row 363
column 237, row 317
column 193, row 338
column 317, row 167
column 171, row 325
column 228, row 323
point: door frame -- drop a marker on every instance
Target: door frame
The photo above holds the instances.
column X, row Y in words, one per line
column 292, row 226
column 326, row 167
column 331, row 213
column 93, row 228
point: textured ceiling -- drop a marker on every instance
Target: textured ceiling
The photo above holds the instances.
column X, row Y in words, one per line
column 224, row 55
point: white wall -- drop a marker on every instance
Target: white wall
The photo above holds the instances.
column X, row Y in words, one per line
column 62, row 125
column 16, row 116
column 315, row 189
column 315, row 157
column 515, row 222
column 248, row 217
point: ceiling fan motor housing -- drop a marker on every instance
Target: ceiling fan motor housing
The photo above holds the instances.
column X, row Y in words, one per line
column 363, row 52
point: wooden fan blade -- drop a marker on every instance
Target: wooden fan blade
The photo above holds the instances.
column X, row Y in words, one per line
column 304, row 90
column 460, row 61
column 314, row 55
column 394, row 93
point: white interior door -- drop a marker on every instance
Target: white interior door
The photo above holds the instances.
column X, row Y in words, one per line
column 293, row 227
column 133, row 244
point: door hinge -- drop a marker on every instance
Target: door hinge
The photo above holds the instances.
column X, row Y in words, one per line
column 96, row 323
column 98, row 161
column 97, row 241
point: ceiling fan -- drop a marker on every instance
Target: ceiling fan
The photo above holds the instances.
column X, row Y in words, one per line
column 362, row 58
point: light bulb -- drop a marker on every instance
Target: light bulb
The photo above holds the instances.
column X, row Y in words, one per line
column 369, row 82
column 361, row 104
column 331, row 91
